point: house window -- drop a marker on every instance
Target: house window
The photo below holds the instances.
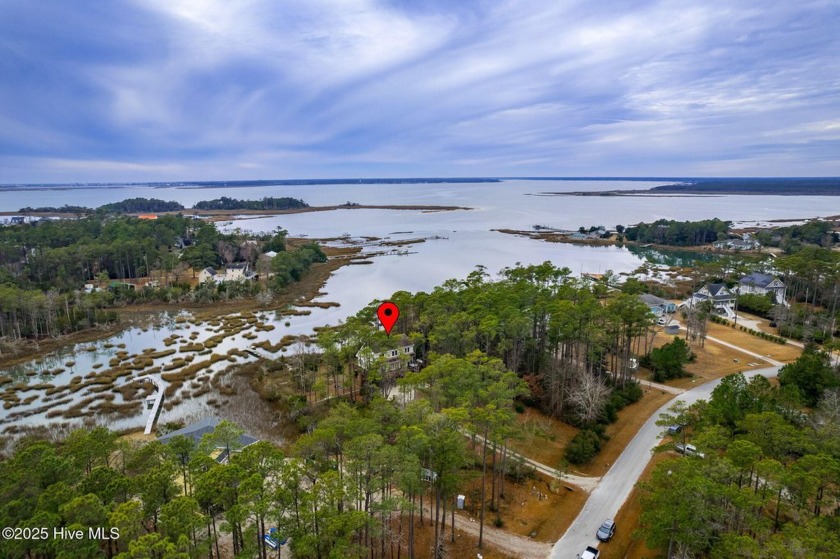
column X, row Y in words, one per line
column 407, row 349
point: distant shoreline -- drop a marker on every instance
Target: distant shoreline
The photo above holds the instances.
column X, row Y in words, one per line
column 242, row 184
column 826, row 186
column 216, row 215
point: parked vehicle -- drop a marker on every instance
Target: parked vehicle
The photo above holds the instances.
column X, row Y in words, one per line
column 273, row 539
column 590, row 553
column 674, row 429
column 606, row 531
column 689, row 450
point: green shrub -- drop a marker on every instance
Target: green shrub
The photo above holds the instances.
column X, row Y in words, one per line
column 583, row 447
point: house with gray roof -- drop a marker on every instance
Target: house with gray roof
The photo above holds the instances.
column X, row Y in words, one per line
column 207, row 274
column 196, row 432
column 762, row 284
column 721, row 299
column 657, row 305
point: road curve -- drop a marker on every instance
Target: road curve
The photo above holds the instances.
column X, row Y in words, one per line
column 608, row 497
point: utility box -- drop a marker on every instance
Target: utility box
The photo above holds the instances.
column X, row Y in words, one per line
column 460, row 502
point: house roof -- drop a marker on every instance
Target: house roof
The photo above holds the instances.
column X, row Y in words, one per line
column 237, row 266
column 652, row 300
column 209, row 270
column 197, row 430
column 757, row 279
column 716, row 288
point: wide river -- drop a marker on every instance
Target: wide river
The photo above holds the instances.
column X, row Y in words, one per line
column 459, row 240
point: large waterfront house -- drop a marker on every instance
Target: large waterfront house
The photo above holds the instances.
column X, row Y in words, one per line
column 721, row 298
column 657, row 305
column 762, row 284
column 395, row 359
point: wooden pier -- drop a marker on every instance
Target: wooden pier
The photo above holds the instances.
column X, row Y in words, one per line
column 156, row 403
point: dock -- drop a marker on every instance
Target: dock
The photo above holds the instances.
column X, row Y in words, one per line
column 156, row 403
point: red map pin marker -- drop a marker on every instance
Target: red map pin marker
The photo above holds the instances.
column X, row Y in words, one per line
column 388, row 314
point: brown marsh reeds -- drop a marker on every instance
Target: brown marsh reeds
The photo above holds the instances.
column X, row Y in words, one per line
column 188, row 372
column 319, row 304
column 174, row 364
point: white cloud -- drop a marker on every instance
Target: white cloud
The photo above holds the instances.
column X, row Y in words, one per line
column 302, row 85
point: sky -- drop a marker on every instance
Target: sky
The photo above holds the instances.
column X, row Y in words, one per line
column 157, row 90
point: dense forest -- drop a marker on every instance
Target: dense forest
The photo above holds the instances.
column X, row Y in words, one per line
column 678, row 233
column 153, row 205
column 766, row 483
column 571, row 342
column 129, row 205
column 65, row 209
column 267, row 203
column 796, row 237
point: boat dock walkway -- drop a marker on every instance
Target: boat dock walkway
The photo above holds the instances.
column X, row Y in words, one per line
column 155, row 409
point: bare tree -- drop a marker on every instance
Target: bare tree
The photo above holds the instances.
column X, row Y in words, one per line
column 227, row 251
column 588, row 398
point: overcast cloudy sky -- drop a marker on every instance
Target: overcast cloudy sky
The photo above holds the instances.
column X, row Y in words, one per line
column 243, row 89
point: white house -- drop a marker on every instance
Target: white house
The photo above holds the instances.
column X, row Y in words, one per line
column 762, row 284
column 397, row 359
column 207, row 274
column 270, row 254
column 722, row 299
column 237, row 272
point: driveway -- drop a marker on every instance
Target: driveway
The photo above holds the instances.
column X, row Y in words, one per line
column 608, row 497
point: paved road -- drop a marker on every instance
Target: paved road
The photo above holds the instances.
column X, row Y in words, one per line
column 608, row 497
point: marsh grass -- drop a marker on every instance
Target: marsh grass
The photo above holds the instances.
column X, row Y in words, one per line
column 319, row 304
column 125, row 409
column 42, row 386
column 174, row 364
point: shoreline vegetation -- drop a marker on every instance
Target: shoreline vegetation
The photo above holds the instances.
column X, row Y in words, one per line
column 704, row 235
column 217, row 208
